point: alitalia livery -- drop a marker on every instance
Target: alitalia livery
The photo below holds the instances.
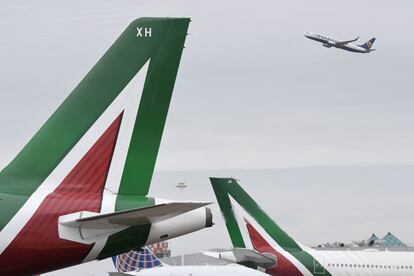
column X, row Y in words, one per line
column 258, row 230
column 344, row 45
column 78, row 190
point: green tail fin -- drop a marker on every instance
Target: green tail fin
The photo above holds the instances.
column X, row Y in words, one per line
column 225, row 187
column 151, row 44
column 155, row 102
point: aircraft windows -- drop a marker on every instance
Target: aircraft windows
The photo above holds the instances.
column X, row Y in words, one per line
column 371, row 266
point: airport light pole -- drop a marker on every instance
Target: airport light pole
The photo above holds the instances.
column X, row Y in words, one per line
column 181, row 186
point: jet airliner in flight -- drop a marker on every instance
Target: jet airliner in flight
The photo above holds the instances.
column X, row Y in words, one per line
column 344, row 45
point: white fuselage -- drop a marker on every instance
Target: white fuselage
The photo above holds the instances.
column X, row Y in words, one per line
column 332, row 42
column 368, row 262
column 199, row 271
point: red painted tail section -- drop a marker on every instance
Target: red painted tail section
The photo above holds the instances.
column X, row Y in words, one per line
column 37, row 248
column 284, row 266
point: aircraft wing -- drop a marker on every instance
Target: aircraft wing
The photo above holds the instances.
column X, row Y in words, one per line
column 85, row 226
column 341, row 43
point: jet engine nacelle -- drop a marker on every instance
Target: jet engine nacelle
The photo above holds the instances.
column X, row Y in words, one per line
column 327, row 45
column 180, row 225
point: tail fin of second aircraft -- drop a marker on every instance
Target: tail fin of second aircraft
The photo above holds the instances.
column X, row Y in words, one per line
column 368, row 44
column 259, row 230
column 224, row 188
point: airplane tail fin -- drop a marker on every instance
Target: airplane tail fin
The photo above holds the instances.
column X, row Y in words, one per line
column 105, row 136
column 226, row 187
column 259, row 230
column 368, row 44
column 136, row 260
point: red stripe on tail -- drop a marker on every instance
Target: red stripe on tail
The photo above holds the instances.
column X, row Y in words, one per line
column 37, row 248
column 284, row 266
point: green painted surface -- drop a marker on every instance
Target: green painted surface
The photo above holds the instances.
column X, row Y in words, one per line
column 232, row 188
column 310, row 263
column 89, row 100
column 170, row 36
column 228, row 214
column 128, row 239
column 137, row 236
column 127, row 202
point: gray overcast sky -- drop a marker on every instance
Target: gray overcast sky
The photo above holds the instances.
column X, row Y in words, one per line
column 252, row 92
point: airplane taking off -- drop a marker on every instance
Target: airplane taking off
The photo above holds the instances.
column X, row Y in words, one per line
column 78, row 190
column 257, row 229
column 345, row 45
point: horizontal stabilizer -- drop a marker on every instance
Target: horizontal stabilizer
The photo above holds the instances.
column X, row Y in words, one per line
column 246, row 256
column 86, row 226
